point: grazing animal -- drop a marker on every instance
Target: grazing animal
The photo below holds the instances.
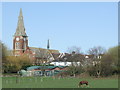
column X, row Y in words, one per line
column 83, row 82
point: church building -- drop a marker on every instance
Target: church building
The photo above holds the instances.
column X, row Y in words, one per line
column 20, row 45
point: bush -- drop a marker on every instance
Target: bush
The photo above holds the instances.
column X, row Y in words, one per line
column 14, row 64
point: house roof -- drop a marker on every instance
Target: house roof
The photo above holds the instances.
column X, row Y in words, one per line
column 43, row 67
column 40, row 52
column 70, row 58
column 56, row 55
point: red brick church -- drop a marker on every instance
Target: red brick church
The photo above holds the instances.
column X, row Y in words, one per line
column 20, row 44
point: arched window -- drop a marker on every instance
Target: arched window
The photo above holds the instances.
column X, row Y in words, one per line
column 24, row 45
column 17, row 45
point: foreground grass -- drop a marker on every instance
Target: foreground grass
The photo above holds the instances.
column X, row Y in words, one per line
column 49, row 82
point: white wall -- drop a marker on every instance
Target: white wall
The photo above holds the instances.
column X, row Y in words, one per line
column 64, row 63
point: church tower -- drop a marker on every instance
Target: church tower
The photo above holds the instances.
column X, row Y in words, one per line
column 20, row 39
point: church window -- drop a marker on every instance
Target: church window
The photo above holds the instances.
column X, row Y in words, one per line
column 24, row 39
column 17, row 45
column 24, row 45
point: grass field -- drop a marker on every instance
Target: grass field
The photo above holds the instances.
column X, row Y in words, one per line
column 49, row 82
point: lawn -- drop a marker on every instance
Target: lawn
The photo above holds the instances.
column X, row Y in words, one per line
column 49, row 82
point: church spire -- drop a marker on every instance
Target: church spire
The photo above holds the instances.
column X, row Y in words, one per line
column 20, row 31
column 48, row 46
column 20, row 15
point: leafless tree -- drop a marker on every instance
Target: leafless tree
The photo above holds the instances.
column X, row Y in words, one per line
column 75, row 49
column 96, row 50
column 41, row 56
column 77, row 58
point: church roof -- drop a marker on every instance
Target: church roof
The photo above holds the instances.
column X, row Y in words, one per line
column 54, row 51
column 20, row 31
column 50, row 50
column 40, row 52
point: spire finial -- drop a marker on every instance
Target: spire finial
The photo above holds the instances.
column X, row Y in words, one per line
column 20, row 12
column 48, row 46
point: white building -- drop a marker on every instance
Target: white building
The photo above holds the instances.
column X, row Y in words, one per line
column 65, row 63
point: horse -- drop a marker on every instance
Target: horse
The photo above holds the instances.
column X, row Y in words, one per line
column 83, row 82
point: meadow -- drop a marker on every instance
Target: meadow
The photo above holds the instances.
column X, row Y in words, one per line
column 49, row 82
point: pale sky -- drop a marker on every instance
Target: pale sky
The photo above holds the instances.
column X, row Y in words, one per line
column 81, row 24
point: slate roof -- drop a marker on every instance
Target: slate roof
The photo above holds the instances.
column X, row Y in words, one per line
column 39, row 52
column 70, row 58
column 54, row 51
column 56, row 55
column 20, row 31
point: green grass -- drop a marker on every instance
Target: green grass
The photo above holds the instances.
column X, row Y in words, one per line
column 0, row 82
column 49, row 82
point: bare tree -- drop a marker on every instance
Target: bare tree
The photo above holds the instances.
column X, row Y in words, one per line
column 43, row 57
column 75, row 49
column 96, row 50
column 76, row 57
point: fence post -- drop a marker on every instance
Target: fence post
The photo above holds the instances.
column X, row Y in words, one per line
column 16, row 79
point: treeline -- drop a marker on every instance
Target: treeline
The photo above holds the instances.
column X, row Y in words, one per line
column 108, row 64
column 105, row 66
column 11, row 63
column 97, row 66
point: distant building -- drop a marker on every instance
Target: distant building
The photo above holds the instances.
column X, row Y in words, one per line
column 43, row 70
column 66, row 59
column 20, row 45
column 41, row 55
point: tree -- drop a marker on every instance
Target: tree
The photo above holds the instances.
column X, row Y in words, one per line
column 109, row 62
column 24, row 61
column 114, row 51
column 95, row 69
column 42, row 56
column 106, row 65
column 11, row 63
column 3, row 54
column 16, row 63
column 3, row 50
column 75, row 54
column 96, row 51
column 77, row 59
column 75, row 49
